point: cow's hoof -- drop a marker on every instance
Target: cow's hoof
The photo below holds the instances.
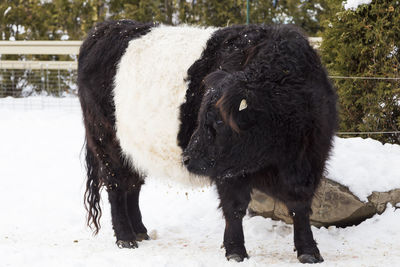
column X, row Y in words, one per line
column 308, row 258
column 142, row 236
column 235, row 257
column 126, row 244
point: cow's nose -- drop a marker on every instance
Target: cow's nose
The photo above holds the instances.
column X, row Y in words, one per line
column 185, row 160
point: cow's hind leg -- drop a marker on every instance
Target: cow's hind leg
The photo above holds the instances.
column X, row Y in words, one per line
column 121, row 181
column 234, row 194
column 126, row 237
column 134, row 213
column 123, row 193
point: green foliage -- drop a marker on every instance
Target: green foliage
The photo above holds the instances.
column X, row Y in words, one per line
column 152, row 10
column 366, row 43
column 306, row 14
column 223, row 13
column 50, row 20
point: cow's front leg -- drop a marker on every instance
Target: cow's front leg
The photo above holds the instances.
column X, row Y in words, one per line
column 306, row 247
column 234, row 194
column 124, row 233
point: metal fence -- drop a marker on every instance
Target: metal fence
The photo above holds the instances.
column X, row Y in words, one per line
column 29, row 82
column 32, row 82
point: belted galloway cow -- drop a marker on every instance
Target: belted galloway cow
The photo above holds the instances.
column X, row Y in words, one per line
column 246, row 107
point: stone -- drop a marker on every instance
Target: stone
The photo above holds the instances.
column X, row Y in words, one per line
column 333, row 204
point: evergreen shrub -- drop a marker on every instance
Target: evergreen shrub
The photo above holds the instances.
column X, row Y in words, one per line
column 365, row 43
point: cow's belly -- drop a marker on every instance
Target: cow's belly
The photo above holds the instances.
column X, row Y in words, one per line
column 149, row 89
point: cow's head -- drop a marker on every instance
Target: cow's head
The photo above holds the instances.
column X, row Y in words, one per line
column 229, row 139
column 260, row 111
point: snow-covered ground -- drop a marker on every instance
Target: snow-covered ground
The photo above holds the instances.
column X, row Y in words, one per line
column 365, row 165
column 354, row 4
column 42, row 221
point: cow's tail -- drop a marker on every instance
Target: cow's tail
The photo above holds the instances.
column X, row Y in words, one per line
column 92, row 193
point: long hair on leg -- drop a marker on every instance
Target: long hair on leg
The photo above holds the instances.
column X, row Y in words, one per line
column 92, row 193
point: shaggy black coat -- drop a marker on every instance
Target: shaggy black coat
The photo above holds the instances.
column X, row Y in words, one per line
column 279, row 143
column 260, row 113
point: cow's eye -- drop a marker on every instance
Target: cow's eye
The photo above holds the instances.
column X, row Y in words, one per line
column 210, row 117
column 217, row 124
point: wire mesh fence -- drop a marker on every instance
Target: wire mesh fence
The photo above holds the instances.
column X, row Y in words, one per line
column 31, row 82
column 38, row 88
column 369, row 107
column 30, row 71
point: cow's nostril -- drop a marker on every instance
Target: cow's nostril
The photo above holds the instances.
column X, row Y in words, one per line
column 185, row 160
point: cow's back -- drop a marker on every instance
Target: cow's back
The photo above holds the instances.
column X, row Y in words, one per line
column 149, row 88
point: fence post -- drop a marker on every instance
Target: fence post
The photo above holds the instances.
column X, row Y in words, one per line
column 12, row 82
column 59, row 83
column 47, row 80
column 248, row 12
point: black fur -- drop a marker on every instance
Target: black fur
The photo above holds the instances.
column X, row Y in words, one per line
column 98, row 58
column 278, row 144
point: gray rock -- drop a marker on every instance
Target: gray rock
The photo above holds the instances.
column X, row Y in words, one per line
column 333, row 204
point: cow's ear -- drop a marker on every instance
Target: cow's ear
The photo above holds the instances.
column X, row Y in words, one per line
column 230, row 105
column 232, row 100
